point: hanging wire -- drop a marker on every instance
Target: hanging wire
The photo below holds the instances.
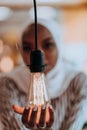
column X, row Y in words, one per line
column 36, row 31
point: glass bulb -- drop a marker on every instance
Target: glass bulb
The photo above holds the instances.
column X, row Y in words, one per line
column 38, row 112
column 37, row 90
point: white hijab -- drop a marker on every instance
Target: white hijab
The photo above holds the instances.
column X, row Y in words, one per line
column 61, row 75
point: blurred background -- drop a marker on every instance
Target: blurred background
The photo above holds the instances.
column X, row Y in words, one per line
column 71, row 16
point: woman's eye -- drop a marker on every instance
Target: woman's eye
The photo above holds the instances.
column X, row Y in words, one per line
column 48, row 45
column 26, row 49
column 26, row 46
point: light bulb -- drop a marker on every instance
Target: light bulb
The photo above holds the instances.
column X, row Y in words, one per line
column 37, row 90
column 38, row 112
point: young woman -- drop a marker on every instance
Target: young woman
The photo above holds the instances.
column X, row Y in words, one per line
column 67, row 88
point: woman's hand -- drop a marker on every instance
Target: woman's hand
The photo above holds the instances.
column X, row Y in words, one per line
column 36, row 117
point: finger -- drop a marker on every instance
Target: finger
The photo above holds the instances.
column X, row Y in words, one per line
column 33, row 118
column 25, row 117
column 18, row 109
column 42, row 117
column 47, row 119
column 50, row 118
column 29, row 117
column 38, row 115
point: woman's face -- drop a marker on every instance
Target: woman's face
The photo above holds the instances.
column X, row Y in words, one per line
column 46, row 43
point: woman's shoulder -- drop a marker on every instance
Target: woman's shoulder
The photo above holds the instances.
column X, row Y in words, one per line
column 19, row 76
column 8, row 87
column 79, row 81
column 9, row 95
column 78, row 85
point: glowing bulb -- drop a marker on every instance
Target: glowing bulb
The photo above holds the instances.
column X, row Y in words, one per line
column 6, row 64
column 37, row 90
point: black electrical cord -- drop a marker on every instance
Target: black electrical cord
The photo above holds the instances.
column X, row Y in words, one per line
column 36, row 31
column 36, row 56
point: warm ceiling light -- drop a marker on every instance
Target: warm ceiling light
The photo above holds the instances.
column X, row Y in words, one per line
column 6, row 64
column 5, row 13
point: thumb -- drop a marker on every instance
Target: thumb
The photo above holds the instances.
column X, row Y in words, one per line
column 18, row 109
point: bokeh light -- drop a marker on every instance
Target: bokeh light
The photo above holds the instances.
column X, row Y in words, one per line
column 1, row 46
column 6, row 64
